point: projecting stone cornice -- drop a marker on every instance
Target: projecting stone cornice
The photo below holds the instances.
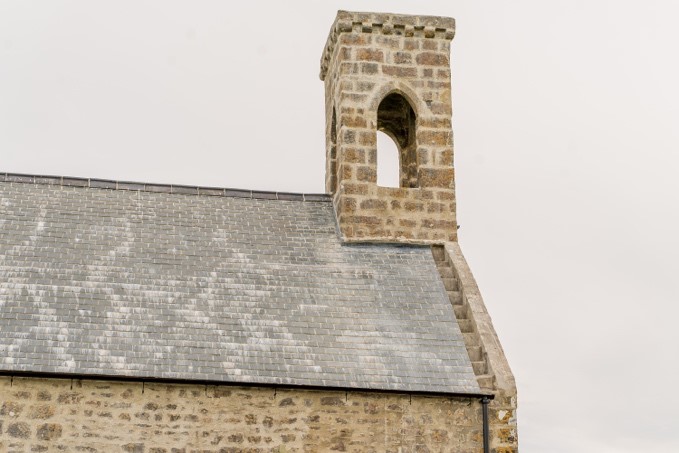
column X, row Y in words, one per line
column 386, row 24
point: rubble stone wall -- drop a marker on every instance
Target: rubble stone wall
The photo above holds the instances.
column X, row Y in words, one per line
column 57, row 415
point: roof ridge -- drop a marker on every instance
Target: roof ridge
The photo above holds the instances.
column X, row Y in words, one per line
column 183, row 189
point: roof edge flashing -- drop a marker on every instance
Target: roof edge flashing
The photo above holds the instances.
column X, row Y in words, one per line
column 181, row 189
column 119, row 378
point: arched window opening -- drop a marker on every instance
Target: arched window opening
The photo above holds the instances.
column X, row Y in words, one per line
column 396, row 118
column 388, row 173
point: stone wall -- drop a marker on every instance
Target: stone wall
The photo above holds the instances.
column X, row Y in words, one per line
column 367, row 58
column 497, row 377
column 41, row 415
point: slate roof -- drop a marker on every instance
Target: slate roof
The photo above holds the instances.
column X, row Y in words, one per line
column 245, row 289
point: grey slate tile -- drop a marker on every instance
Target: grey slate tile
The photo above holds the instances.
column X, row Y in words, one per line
column 217, row 288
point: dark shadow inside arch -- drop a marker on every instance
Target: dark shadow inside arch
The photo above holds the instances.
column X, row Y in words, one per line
column 332, row 161
column 396, row 118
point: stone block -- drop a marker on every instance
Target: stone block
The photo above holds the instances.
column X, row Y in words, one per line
column 370, row 55
column 399, row 71
column 49, row 431
column 19, row 430
column 432, row 59
column 436, row 177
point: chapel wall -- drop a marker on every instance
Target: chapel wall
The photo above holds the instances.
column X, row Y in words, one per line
column 56, row 415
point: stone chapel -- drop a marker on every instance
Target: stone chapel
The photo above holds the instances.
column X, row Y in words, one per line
column 160, row 318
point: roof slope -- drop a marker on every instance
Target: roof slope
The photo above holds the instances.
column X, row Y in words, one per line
column 158, row 285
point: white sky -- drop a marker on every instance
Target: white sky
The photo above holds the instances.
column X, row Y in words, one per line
column 566, row 153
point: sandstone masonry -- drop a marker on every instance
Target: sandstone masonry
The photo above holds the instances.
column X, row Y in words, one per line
column 57, row 415
column 392, row 73
column 483, row 346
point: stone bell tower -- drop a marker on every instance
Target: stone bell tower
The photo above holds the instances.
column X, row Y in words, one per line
column 390, row 73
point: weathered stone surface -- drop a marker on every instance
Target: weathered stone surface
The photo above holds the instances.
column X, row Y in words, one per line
column 41, row 411
column 241, row 419
column 483, row 346
column 369, row 55
column 49, row 431
column 398, row 71
column 19, row 429
column 389, row 56
column 432, row 59
column 11, row 408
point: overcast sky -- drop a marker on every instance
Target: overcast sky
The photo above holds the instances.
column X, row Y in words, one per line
column 566, row 155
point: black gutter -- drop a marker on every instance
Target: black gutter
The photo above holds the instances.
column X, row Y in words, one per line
column 103, row 377
column 485, row 398
column 486, row 435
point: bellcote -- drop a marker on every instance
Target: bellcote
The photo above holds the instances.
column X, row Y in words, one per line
column 390, row 73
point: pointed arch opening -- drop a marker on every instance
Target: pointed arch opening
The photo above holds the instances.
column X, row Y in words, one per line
column 388, row 162
column 397, row 119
